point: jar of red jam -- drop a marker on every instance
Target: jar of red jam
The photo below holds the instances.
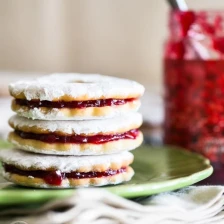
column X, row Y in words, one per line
column 194, row 82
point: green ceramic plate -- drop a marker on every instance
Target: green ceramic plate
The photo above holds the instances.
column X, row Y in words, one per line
column 157, row 169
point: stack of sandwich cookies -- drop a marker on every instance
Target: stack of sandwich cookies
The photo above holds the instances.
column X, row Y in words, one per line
column 73, row 130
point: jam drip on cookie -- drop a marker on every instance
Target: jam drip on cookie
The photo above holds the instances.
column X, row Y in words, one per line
column 79, row 139
column 73, row 104
column 55, row 177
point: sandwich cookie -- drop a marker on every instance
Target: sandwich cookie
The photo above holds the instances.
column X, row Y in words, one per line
column 75, row 96
column 47, row 171
column 88, row 137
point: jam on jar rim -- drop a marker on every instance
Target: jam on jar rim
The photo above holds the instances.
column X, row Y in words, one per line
column 55, row 177
column 189, row 29
column 78, row 139
column 73, row 104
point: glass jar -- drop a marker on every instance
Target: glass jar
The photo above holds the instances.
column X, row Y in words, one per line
column 194, row 83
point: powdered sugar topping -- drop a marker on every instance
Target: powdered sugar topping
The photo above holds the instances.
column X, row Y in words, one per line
column 76, row 85
column 28, row 160
column 123, row 122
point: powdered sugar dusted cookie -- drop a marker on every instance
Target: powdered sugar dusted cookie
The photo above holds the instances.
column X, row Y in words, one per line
column 75, row 96
column 47, row 171
column 88, row 137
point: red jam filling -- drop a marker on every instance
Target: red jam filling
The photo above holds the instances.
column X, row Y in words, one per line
column 185, row 24
column 194, row 106
column 55, row 177
column 79, row 139
column 73, row 104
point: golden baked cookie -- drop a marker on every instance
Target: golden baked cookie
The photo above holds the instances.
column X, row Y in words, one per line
column 75, row 96
column 48, row 171
column 89, row 137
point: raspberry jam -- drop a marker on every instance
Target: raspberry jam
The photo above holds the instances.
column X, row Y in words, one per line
column 55, row 177
column 78, row 139
column 73, row 104
column 194, row 83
